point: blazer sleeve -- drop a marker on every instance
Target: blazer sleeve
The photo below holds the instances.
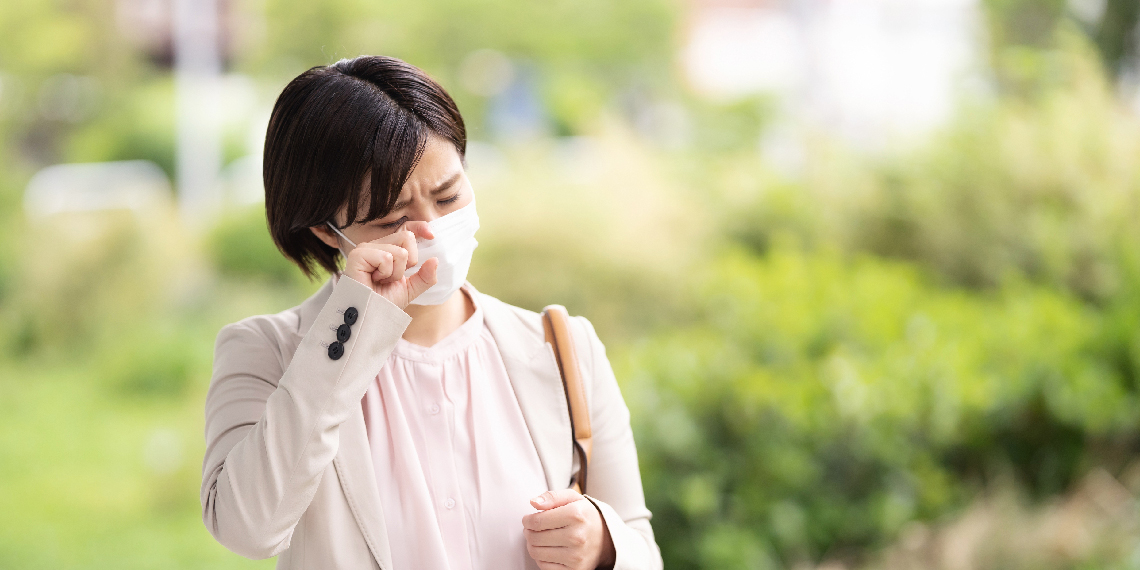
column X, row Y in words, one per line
column 271, row 433
column 614, row 479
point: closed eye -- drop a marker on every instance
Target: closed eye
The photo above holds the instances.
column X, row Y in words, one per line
column 394, row 224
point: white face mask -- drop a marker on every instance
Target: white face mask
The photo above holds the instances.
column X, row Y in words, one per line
column 454, row 244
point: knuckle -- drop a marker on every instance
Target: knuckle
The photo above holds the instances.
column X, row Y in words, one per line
column 578, row 538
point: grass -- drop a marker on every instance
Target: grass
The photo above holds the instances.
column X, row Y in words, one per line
column 91, row 479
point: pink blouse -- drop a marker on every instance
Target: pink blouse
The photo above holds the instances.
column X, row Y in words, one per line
column 454, row 460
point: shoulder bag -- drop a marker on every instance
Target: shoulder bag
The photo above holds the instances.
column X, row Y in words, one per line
column 556, row 321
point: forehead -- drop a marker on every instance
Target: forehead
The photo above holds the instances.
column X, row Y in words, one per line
column 439, row 162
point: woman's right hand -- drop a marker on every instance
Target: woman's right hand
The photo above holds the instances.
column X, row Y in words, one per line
column 380, row 264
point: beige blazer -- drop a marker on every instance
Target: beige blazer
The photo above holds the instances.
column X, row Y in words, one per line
column 288, row 470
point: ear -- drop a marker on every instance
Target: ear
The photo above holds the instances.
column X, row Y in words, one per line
column 326, row 235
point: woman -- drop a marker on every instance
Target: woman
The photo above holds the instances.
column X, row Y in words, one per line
column 398, row 418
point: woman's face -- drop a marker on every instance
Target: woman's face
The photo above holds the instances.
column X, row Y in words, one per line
column 437, row 186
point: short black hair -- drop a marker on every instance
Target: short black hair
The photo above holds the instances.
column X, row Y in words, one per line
column 335, row 125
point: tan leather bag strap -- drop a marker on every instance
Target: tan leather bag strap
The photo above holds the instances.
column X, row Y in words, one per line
column 556, row 321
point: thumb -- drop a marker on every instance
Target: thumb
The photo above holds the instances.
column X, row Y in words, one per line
column 554, row 499
column 423, row 279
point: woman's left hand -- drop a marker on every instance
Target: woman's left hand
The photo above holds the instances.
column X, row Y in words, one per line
column 567, row 532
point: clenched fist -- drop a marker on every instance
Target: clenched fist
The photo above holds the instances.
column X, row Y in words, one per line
column 567, row 532
column 381, row 263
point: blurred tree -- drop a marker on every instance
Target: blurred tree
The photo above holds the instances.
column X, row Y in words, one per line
column 1044, row 188
column 74, row 90
column 583, row 51
column 1021, row 30
column 1117, row 35
column 1023, row 22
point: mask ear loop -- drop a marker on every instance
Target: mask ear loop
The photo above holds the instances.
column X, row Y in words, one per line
column 344, row 237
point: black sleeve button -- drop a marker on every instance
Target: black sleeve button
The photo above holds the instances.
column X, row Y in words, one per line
column 336, row 350
column 350, row 316
column 342, row 333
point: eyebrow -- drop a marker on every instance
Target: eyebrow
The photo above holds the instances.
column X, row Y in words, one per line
column 438, row 190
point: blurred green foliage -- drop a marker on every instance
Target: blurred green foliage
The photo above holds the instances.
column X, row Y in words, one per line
column 1022, row 31
column 813, row 363
column 823, row 403
column 1047, row 190
column 827, row 396
column 241, row 248
column 585, row 51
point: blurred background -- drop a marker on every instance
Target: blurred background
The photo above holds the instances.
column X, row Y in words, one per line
column 868, row 270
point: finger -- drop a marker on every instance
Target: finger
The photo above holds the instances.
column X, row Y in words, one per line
column 554, row 499
column 383, row 268
column 369, row 258
column 539, row 522
column 550, row 565
column 399, row 260
column 565, row 557
column 555, row 537
column 400, row 238
column 369, row 261
column 557, row 557
column 423, row 279
column 407, row 240
column 561, row 517
column 420, row 229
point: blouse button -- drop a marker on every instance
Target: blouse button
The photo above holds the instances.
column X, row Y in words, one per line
column 435, row 408
column 450, row 503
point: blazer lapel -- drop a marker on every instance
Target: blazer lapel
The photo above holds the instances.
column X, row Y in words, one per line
column 534, row 376
column 357, row 476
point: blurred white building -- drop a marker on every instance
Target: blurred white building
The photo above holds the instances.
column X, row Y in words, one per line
column 871, row 71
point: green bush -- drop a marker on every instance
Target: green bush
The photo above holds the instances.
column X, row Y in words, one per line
column 155, row 362
column 240, row 246
column 83, row 276
column 824, row 403
column 1047, row 188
